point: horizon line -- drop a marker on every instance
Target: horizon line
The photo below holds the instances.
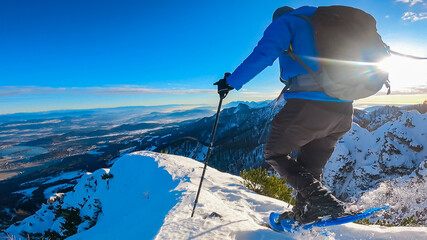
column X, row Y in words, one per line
column 355, row 104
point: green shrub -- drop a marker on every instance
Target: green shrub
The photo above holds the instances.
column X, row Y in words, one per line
column 32, row 236
column 72, row 221
column 364, row 221
column 107, row 176
column 52, row 235
column 385, row 223
column 258, row 181
column 409, row 221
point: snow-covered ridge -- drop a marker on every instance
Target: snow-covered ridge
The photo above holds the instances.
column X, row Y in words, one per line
column 147, row 195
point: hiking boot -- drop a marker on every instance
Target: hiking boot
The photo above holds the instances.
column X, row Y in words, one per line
column 286, row 215
column 322, row 203
column 297, row 210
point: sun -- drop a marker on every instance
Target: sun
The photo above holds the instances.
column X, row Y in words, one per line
column 405, row 74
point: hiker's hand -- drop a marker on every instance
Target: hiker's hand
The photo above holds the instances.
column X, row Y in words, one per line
column 223, row 86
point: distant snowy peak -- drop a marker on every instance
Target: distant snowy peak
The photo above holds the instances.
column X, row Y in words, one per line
column 250, row 104
column 374, row 119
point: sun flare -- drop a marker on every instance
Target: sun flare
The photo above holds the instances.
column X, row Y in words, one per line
column 405, row 74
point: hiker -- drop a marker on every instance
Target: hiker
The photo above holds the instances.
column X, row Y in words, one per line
column 311, row 121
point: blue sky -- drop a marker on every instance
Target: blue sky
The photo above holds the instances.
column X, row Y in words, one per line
column 77, row 54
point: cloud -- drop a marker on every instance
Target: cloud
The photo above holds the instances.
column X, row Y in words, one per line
column 411, row 2
column 8, row 91
column 414, row 16
column 411, row 91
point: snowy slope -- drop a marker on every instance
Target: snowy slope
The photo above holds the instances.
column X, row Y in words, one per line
column 148, row 195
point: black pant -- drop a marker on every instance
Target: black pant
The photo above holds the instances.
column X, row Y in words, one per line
column 313, row 128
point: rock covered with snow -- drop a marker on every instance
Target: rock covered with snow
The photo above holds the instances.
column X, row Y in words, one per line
column 386, row 166
column 363, row 159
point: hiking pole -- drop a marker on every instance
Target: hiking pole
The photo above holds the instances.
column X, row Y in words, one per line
column 222, row 95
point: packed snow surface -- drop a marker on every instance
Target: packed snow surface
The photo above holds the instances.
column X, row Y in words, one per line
column 150, row 195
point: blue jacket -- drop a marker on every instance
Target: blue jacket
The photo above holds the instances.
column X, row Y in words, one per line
column 280, row 34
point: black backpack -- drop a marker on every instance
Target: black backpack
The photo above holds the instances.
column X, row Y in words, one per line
column 349, row 48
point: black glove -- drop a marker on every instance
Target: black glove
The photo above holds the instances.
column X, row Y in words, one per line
column 223, row 86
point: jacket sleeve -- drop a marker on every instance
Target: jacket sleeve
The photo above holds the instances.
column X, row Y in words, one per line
column 276, row 39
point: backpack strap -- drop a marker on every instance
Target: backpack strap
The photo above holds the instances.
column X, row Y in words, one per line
column 291, row 52
column 308, row 19
column 295, row 57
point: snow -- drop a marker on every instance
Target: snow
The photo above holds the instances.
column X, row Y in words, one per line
column 27, row 192
column 357, row 231
column 49, row 192
column 395, row 193
column 167, row 135
column 152, row 138
column 151, row 148
column 150, row 196
column 126, row 150
column 95, row 152
column 64, row 176
column 199, row 155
